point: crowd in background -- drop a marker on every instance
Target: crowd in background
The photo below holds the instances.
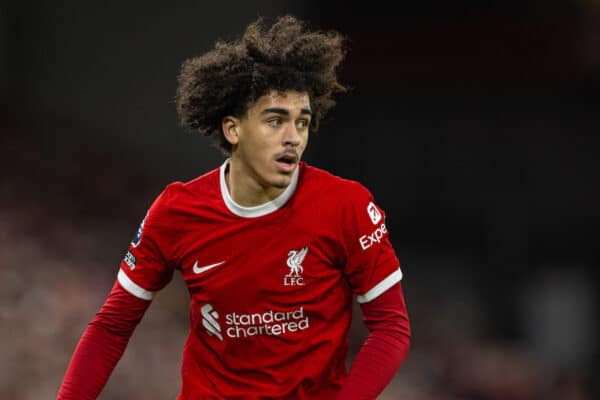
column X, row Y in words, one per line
column 64, row 230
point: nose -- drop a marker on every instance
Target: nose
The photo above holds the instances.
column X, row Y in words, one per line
column 292, row 136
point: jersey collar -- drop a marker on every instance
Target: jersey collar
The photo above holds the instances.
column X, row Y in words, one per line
column 260, row 210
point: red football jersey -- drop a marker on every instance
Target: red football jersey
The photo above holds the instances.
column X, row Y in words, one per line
column 271, row 286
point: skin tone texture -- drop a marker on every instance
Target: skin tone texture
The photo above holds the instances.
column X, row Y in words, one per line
column 268, row 142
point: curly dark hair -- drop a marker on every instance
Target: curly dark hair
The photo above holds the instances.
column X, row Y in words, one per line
column 229, row 78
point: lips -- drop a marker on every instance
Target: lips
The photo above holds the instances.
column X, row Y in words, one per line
column 286, row 161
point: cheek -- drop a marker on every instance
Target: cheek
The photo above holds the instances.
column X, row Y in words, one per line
column 256, row 144
column 304, row 142
column 260, row 150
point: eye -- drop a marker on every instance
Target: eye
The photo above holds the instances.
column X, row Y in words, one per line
column 274, row 121
column 303, row 123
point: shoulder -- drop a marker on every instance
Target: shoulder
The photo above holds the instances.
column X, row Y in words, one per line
column 331, row 185
column 201, row 186
column 180, row 195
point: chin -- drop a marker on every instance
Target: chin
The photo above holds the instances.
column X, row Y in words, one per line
column 281, row 181
column 282, row 184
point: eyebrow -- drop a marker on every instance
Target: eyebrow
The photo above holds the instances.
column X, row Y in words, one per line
column 284, row 111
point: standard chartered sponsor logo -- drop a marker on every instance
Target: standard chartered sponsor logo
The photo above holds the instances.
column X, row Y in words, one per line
column 209, row 321
column 267, row 323
column 271, row 323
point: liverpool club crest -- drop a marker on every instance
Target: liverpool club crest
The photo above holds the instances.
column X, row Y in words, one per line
column 294, row 262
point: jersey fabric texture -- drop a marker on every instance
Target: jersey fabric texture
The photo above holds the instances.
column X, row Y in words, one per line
column 271, row 286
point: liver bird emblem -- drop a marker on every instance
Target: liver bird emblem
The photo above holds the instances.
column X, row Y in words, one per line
column 294, row 261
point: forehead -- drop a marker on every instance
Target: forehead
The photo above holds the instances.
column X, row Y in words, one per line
column 290, row 100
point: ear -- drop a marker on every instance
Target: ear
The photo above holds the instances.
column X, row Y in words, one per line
column 230, row 126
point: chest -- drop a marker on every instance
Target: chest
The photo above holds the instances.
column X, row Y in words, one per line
column 258, row 263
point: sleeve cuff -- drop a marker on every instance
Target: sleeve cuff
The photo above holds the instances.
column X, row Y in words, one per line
column 133, row 287
column 381, row 287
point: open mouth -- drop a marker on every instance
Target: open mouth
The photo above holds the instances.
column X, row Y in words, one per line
column 287, row 161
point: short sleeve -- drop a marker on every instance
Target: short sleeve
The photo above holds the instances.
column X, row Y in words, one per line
column 147, row 266
column 371, row 265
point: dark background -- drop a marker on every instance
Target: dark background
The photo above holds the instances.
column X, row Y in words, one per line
column 474, row 124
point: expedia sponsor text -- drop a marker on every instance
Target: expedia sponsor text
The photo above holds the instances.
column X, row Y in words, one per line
column 367, row 241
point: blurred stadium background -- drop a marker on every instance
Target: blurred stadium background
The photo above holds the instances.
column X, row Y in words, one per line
column 476, row 126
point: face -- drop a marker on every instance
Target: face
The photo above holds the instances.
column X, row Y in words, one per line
column 269, row 140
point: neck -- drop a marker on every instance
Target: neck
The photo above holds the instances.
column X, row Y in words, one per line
column 246, row 189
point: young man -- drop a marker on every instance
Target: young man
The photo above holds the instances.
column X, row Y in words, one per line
column 273, row 251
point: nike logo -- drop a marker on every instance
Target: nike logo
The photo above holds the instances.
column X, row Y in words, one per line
column 199, row 270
